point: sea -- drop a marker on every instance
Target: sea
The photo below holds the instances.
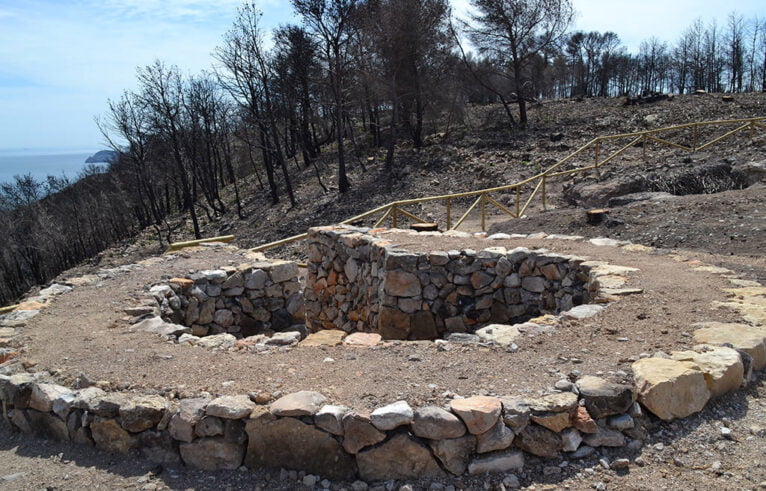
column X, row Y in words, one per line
column 42, row 162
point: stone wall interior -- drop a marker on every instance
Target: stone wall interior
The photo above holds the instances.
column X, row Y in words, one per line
column 359, row 282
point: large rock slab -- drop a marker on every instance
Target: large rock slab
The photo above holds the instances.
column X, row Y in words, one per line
column 43, row 396
column 502, row 334
column 479, row 413
column 212, row 453
column 604, row 398
column 722, row 367
column 142, row 412
column 401, row 284
column 47, row 425
column 507, row 461
column 330, row 418
column 539, row 441
column 751, row 340
column 605, row 438
column 435, row 423
column 325, row 337
column 362, row 339
column 359, row 432
column 499, row 437
column 182, row 423
column 670, row 389
column 289, row 443
column 230, row 407
column 302, row 403
column 455, row 453
column 389, row 417
column 402, row 457
column 109, row 435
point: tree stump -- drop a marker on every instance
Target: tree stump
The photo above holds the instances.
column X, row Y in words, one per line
column 596, row 216
column 727, row 98
column 425, row 227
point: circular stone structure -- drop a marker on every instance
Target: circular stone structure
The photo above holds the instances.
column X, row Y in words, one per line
column 344, row 404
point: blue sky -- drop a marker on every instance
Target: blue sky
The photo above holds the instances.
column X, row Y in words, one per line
column 60, row 60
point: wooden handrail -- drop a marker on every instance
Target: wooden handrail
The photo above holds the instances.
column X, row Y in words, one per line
column 394, row 208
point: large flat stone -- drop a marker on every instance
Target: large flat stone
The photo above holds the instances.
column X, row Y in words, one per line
column 670, row 389
column 604, row 398
column 751, row 340
column 455, row 453
column 499, row 437
column 504, row 335
column 109, row 435
column 302, row 403
column 539, row 441
column 43, row 395
column 401, row 284
column 434, row 423
column 479, row 413
column 142, row 412
column 402, row 457
column 212, row 453
column 389, row 417
column 325, row 337
column 359, row 432
column 230, row 407
column 363, row 339
column 722, row 367
column 289, row 443
column 506, row 461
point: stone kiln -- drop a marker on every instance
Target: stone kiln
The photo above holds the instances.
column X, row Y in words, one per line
column 358, row 281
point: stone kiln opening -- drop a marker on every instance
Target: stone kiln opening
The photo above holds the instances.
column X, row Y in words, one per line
column 360, row 280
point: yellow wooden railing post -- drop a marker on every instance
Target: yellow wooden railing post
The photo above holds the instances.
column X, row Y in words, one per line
column 483, row 212
column 694, row 143
column 449, row 213
column 394, row 213
column 545, row 205
column 518, row 201
column 643, row 147
column 752, row 129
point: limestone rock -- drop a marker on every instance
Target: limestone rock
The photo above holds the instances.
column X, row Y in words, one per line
column 570, row 439
column 219, row 341
column 182, row 423
column 302, row 403
column 516, row 413
column 142, row 412
column 290, row 443
column 479, row 413
column 504, row 335
column 230, row 407
column 402, row 457
column 670, row 389
column 330, row 418
column 603, row 398
column 389, row 417
column 108, row 405
column 507, row 461
column 325, row 337
column 583, row 311
column 362, row 339
column 359, row 432
column 722, row 367
column 751, row 340
column 553, row 403
column 284, row 338
column 539, row 441
column 212, row 454
column 43, row 395
column 109, row 435
column 499, row 437
column 435, row 423
column 605, row 438
column 455, row 453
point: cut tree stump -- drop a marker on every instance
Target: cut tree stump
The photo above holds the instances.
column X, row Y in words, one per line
column 425, row 227
column 596, row 216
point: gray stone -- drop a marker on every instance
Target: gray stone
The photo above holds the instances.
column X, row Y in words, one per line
column 182, row 423
column 359, row 432
column 539, row 441
column 389, row 417
column 289, row 443
column 108, row 405
column 63, row 404
column 209, row 426
column 284, row 338
column 455, row 453
column 223, row 317
column 330, row 418
column 217, row 341
column 583, row 311
column 282, row 271
column 401, row 284
column 435, row 423
column 302, row 403
column 212, row 454
column 142, row 412
column 506, row 461
column 158, row 447
column 230, row 407
column 516, row 413
column 256, row 280
column 605, row 438
column 402, row 457
column 603, row 398
column 535, row 284
column 499, row 437
column 43, row 396
column 570, row 439
column 47, row 425
column 479, row 413
column 621, row 422
column 502, row 334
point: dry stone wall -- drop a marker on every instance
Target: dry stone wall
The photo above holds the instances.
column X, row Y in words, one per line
column 245, row 300
column 360, row 282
